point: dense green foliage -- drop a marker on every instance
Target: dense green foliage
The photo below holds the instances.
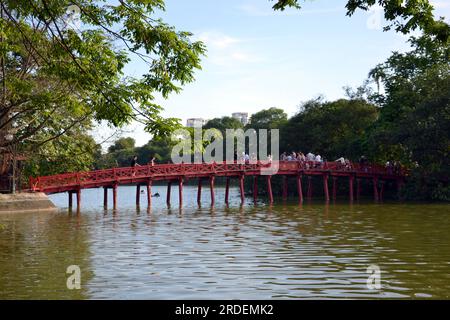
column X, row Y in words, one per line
column 414, row 124
column 271, row 118
column 122, row 151
column 333, row 129
column 223, row 123
column 58, row 78
column 403, row 16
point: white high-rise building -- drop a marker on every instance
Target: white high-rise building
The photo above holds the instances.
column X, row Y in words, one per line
column 195, row 122
column 241, row 116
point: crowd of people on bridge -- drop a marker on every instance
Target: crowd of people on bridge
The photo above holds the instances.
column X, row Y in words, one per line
column 311, row 160
column 393, row 167
column 308, row 161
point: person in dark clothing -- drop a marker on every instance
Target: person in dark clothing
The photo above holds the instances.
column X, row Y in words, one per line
column 134, row 162
column 363, row 163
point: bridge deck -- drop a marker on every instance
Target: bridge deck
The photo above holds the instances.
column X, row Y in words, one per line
column 167, row 172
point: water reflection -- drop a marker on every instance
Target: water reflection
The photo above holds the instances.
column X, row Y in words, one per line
column 314, row 250
column 35, row 251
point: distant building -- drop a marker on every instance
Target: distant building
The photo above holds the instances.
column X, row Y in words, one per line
column 241, row 116
column 195, row 122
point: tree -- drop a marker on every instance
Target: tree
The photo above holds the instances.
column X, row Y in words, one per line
column 414, row 122
column 74, row 151
column 333, row 129
column 271, row 118
column 54, row 78
column 404, row 16
column 158, row 147
column 122, row 144
column 223, row 123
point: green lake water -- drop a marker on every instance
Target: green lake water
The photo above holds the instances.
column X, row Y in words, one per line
column 285, row 251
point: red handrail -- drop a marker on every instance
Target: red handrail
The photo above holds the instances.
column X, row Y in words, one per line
column 169, row 170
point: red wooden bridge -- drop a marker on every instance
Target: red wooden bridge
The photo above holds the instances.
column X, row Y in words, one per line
column 73, row 183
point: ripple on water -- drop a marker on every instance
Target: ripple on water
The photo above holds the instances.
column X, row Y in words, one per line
column 284, row 251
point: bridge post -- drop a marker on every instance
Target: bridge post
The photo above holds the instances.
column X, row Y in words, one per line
column 115, row 196
column 149, row 193
column 269, row 189
column 211, row 187
column 351, row 192
column 334, row 188
column 399, row 187
column 241, row 188
column 309, row 187
column 105, row 197
column 169, row 187
column 382, row 189
column 325, row 188
column 358, row 188
column 227, row 189
column 285, row 188
column 375, row 189
column 299, row 188
column 70, row 199
column 180, row 191
column 199, row 191
column 78, row 198
column 138, row 195
column 255, row 188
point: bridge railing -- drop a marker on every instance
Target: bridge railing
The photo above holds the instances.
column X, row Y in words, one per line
column 170, row 170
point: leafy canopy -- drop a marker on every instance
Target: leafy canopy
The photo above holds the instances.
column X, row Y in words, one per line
column 55, row 76
column 404, row 16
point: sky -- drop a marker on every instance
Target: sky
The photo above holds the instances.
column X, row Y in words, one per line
column 258, row 58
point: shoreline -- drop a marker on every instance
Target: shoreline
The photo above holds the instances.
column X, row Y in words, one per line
column 26, row 203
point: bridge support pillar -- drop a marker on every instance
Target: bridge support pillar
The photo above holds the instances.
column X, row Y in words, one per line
column 399, row 187
column 105, row 197
column 149, row 193
column 351, row 192
column 325, row 188
column 138, row 195
column 310, row 187
column 255, row 188
column 70, row 193
column 115, row 196
column 227, row 189
column 211, row 187
column 299, row 188
column 285, row 188
column 382, row 189
column 169, row 189
column 241, row 189
column 78, row 199
column 334, row 188
column 358, row 188
column 375, row 189
column 199, row 192
column 269, row 189
column 180, row 192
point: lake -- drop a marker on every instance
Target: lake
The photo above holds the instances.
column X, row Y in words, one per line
column 285, row 251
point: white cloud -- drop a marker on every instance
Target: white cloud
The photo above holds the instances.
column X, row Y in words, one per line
column 440, row 4
column 217, row 39
column 227, row 51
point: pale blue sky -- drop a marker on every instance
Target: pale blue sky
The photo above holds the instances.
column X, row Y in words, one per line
column 258, row 58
